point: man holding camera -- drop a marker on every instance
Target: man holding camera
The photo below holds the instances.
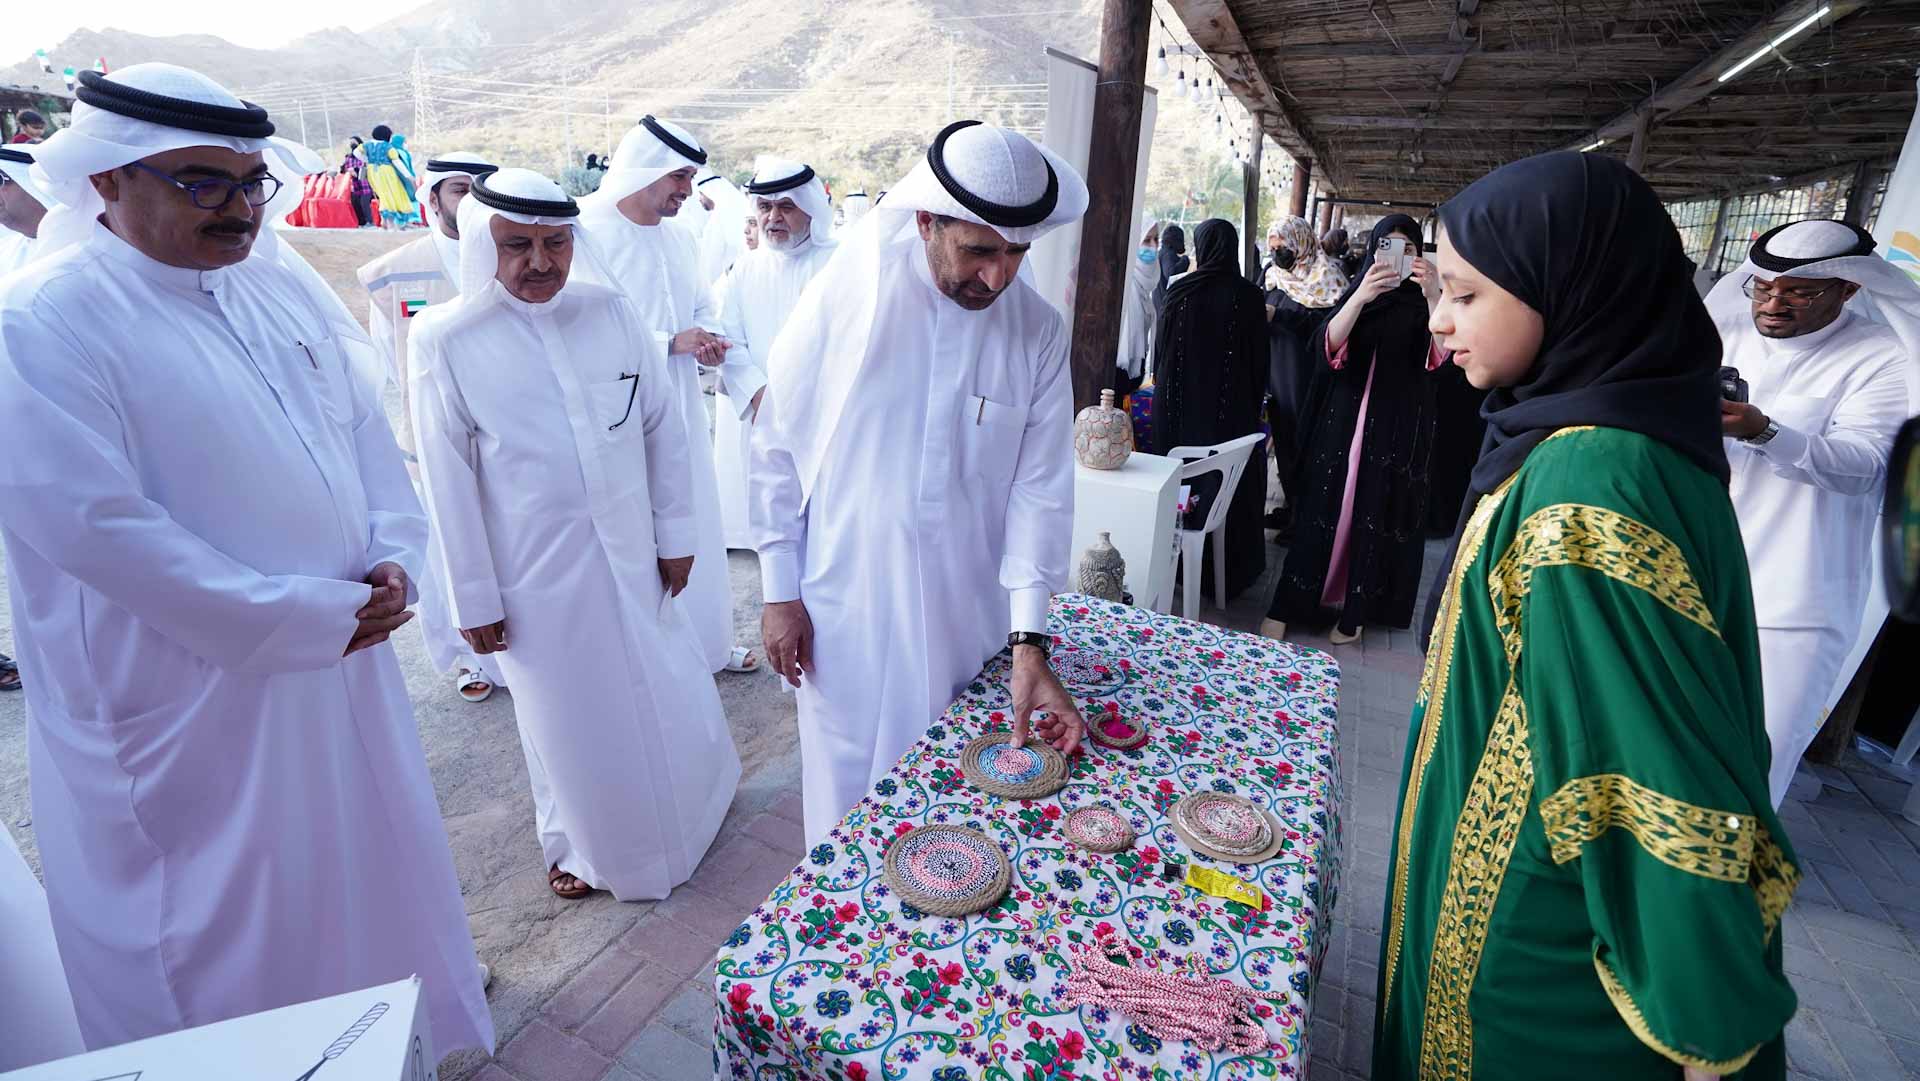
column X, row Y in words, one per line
column 1816, row 392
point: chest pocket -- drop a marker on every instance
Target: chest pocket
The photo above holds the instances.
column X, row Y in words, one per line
column 324, row 369
column 1807, row 413
column 989, row 442
column 616, row 408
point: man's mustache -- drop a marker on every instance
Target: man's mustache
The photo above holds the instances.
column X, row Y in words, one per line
column 237, row 226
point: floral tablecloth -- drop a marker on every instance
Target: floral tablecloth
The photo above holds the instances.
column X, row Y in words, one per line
column 834, row 978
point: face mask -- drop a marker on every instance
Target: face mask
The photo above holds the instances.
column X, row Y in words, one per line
column 1148, row 255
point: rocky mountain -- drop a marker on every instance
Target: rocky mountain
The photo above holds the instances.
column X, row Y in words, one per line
column 852, row 87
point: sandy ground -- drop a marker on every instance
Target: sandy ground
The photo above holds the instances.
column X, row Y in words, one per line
column 533, row 940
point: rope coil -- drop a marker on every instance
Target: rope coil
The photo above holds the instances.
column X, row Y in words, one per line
column 1212, row 1014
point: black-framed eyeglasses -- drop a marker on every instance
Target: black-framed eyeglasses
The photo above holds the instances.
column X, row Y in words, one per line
column 1756, row 290
column 214, row 193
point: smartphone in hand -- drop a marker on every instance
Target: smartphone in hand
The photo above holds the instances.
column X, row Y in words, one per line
column 1394, row 251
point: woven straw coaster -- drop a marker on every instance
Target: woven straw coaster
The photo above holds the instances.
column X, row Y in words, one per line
column 947, row 870
column 992, row 765
column 1227, row 827
column 1117, row 732
column 1098, row 829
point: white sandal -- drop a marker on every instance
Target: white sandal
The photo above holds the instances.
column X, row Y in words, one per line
column 466, row 678
column 737, row 662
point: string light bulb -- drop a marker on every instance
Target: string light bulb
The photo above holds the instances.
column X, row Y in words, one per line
column 1180, row 84
column 1160, row 65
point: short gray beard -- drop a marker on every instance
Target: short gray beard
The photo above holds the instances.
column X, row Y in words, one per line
column 793, row 240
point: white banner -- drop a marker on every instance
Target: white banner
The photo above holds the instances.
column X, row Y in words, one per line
column 1069, row 133
column 1898, row 229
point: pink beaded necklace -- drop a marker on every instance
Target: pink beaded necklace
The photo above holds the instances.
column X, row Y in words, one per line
column 1213, row 1014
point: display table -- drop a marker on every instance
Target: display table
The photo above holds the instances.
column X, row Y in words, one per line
column 832, row 979
column 1134, row 503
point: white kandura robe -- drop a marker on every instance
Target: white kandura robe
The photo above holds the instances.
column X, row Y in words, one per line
column 756, row 297
column 34, row 998
column 940, row 521
column 659, row 267
column 16, row 251
column 231, row 816
column 1809, row 506
column 555, row 502
column 400, row 285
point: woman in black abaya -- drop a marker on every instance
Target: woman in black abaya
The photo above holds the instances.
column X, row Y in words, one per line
column 1210, row 378
column 1360, row 487
column 1173, row 260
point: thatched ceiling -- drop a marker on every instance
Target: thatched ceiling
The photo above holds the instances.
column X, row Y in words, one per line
column 1415, row 98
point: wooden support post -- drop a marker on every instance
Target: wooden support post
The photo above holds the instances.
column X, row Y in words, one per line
column 1860, row 196
column 1106, row 233
column 1719, row 236
column 1302, row 176
column 1250, row 230
column 1637, row 152
column 1326, row 218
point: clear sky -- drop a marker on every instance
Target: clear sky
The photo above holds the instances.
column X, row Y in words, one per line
column 42, row 24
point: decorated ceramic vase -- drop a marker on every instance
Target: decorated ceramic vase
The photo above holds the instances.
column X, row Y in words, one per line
column 1103, row 572
column 1102, row 435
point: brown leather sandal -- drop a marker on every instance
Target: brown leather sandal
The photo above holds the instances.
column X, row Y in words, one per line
column 556, row 879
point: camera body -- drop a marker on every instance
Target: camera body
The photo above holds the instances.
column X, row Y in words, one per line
column 1732, row 387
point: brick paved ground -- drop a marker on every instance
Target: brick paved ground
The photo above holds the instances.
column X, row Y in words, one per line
column 642, row 1010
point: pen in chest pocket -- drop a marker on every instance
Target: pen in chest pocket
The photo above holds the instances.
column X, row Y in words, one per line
column 980, row 414
column 311, row 359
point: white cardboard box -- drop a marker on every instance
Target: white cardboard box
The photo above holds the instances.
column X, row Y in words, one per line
column 1134, row 503
column 379, row 1034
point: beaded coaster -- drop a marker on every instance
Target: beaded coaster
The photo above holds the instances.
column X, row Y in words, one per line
column 947, row 870
column 1098, row 829
column 1226, row 827
column 1112, row 730
column 993, row 765
column 1085, row 672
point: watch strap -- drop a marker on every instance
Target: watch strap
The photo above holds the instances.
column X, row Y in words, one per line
column 1042, row 642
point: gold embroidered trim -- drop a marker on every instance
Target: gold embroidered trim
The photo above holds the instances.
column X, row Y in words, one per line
column 1483, row 840
column 1629, row 1012
column 1773, row 878
column 1578, row 535
column 1433, row 692
column 1697, row 840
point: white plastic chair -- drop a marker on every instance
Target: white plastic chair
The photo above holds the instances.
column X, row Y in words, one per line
column 1230, row 461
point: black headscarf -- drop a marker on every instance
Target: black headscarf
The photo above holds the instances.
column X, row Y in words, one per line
column 1584, row 241
column 1216, row 254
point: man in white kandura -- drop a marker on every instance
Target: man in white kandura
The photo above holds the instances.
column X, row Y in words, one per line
column 912, row 482
column 657, row 261
column 1828, row 388
column 795, row 218
column 721, row 243
column 400, row 285
column 210, row 536
column 555, row 459
column 22, row 206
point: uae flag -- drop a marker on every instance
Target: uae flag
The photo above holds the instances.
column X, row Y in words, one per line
column 411, row 308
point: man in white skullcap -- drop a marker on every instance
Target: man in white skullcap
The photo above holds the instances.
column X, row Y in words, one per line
column 400, row 285
column 795, row 221
column 210, row 536
column 555, row 453
column 632, row 220
column 22, row 206
column 912, row 472
column 1826, row 335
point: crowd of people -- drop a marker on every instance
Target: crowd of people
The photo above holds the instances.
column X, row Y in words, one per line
column 212, row 531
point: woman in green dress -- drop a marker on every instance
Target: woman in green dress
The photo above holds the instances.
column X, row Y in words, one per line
column 1586, row 877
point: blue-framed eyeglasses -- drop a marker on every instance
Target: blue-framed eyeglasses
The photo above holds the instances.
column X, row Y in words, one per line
column 214, row 193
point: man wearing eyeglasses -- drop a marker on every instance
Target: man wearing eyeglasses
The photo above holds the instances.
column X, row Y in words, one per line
column 209, row 537
column 1827, row 389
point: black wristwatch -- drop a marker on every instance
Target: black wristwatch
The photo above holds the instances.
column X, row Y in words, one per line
column 1042, row 642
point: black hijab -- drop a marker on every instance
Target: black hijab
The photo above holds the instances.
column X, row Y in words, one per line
column 1583, row 240
column 1173, row 260
column 1216, row 254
